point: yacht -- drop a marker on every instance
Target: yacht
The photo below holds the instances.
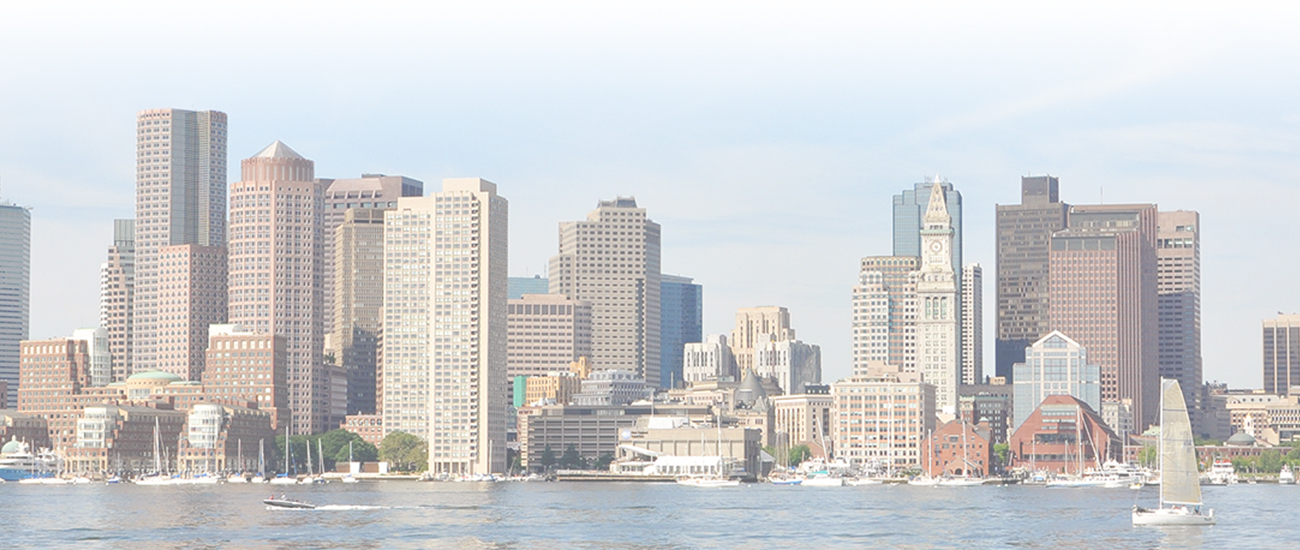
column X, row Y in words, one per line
column 17, row 462
column 1286, row 476
column 707, row 481
column 1221, row 473
column 1180, row 491
column 822, row 479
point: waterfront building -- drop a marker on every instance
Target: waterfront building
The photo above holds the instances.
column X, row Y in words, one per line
column 708, row 360
column 989, row 404
column 358, row 299
column 1102, row 292
column 121, row 438
column 803, row 419
column 24, row 427
column 555, row 387
column 191, row 296
column 1051, row 437
column 958, row 449
column 15, row 292
column 519, row 286
column 1282, row 354
column 792, row 363
column 938, row 332
column 180, row 200
column 881, row 414
column 117, row 297
column 753, row 323
column 884, row 312
column 369, row 426
column 612, row 387
column 223, row 438
column 739, row 448
column 55, row 385
column 1024, row 239
column 446, row 322
column 1055, row 364
column 972, row 324
column 545, row 333
column 681, row 315
column 593, row 431
column 611, row 260
column 244, row 366
column 1178, row 289
column 100, row 362
column 275, row 267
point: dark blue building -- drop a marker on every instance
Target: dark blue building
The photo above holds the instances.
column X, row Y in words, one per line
column 681, row 321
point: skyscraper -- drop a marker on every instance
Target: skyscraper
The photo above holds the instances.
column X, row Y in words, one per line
column 938, row 332
column 275, row 262
column 910, row 209
column 681, row 314
column 546, row 333
column 358, row 303
column 612, row 261
column 1178, row 285
column 117, row 297
column 15, row 292
column 180, row 199
column 1024, row 238
column 1281, row 354
column 752, row 325
column 972, row 325
column 191, row 296
column 884, row 312
column 1102, row 292
column 445, row 324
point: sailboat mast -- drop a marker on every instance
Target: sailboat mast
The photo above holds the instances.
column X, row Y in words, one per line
column 1160, row 445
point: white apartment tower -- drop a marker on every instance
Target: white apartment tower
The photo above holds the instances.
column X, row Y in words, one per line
column 937, row 336
column 180, row 199
column 116, row 297
column 445, row 323
column 972, row 325
column 884, row 312
column 611, row 260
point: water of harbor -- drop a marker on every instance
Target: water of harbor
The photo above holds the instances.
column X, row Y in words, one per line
column 541, row 515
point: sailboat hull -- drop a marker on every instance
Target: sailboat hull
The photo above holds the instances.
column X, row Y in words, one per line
column 1170, row 516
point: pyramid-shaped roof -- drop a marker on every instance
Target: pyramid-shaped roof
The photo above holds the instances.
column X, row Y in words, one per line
column 938, row 209
column 277, row 150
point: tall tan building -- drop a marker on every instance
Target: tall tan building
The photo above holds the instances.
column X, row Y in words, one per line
column 546, row 333
column 245, row 366
column 116, row 297
column 1281, row 354
column 191, row 296
column 445, row 324
column 276, row 252
column 611, row 260
column 884, row 312
column 754, row 324
column 881, row 415
column 1024, row 240
column 358, row 304
column 180, row 199
column 1102, row 293
column 972, row 325
column 1178, row 285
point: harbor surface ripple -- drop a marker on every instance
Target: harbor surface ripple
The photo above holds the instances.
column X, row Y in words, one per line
column 625, row 516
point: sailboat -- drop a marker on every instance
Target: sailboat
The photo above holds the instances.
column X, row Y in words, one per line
column 929, row 480
column 349, row 478
column 261, row 463
column 1180, row 487
column 284, row 478
column 238, row 477
column 712, row 479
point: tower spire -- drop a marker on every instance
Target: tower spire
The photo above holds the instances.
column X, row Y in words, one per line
column 937, row 212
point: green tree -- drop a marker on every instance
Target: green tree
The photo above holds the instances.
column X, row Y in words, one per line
column 548, row 457
column 571, row 459
column 799, row 453
column 1002, row 451
column 603, row 461
column 335, row 444
column 1270, row 462
column 405, row 452
column 1148, row 456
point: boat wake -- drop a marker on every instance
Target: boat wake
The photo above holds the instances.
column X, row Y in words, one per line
column 332, row 508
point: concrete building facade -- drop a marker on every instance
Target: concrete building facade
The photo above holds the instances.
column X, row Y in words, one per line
column 753, row 323
column 117, row 297
column 709, row 360
column 191, row 296
column 792, row 363
column 881, row 415
column 15, row 292
column 545, row 333
column 1024, row 238
column 611, row 260
column 1178, row 289
column 884, row 312
column 938, row 319
column 1282, row 354
column 358, row 300
column 972, row 325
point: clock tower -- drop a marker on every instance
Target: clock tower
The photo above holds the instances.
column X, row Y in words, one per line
column 937, row 329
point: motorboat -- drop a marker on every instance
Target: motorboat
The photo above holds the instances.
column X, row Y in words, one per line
column 1221, row 472
column 1286, row 476
column 822, row 479
column 1180, row 488
column 287, row 503
column 961, row 482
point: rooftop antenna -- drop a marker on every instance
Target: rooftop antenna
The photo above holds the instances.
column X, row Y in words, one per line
column 1102, row 192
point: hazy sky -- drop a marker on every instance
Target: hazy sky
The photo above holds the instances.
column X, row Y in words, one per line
column 766, row 139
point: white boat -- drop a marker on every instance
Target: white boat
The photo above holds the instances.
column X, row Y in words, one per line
column 350, row 479
column 284, row 479
column 785, row 480
column 1221, row 473
column 80, row 480
column 822, row 480
column 237, row 478
column 860, row 481
column 1180, row 488
column 924, row 481
column 1286, row 476
column 284, row 502
column 961, row 482
column 707, row 481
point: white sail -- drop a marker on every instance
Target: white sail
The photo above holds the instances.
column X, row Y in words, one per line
column 1179, row 480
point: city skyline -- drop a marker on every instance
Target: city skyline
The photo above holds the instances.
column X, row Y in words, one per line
column 752, row 198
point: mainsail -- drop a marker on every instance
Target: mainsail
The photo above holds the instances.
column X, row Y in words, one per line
column 1179, row 480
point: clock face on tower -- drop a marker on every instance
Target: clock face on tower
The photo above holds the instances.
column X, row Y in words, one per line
column 936, row 246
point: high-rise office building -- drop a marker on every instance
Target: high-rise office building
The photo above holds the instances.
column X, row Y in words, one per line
column 358, row 304
column 180, row 199
column 15, row 292
column 1054, row 365
column 1102, row 292
column 546, row 333
column 191, row 296
column 116, row 297
column 972, row 325
column 938, row 328
column 681, row 314
column 910, row 208
column 1178, row 285
column 1281, row 354
column 275, row 263
column 1024, row 239
column 612, row 261
column 519, row 286
column 445, row 324
column 752, row 325
column 884, row 312
column 100, row 364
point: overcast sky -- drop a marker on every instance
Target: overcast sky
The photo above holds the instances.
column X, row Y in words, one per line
column 766, row 139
